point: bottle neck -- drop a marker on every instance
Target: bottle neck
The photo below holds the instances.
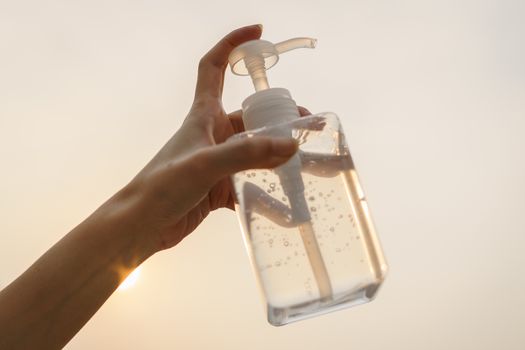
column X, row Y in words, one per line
column 268, row 107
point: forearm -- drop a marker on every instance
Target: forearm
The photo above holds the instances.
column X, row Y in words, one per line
column 47, row 305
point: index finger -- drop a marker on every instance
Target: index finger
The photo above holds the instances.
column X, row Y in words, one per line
column 212, row 65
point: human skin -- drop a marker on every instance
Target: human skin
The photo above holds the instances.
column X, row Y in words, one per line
column 187, row 179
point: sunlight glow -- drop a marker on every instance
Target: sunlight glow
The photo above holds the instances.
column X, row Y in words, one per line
column 131, row 280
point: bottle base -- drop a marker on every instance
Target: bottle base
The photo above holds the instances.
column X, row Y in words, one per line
column 280, row 316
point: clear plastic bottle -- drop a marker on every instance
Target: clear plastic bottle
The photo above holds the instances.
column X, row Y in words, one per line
column 306, row 223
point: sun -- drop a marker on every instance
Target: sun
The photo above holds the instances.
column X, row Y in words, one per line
column 131, row 280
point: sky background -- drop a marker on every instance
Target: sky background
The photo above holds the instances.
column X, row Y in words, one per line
column 432, row 98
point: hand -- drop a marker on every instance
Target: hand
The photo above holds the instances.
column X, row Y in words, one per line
column 189, row 177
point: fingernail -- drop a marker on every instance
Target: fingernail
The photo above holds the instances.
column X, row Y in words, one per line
column 304, row 110
column 284, row 147
column 260, row 26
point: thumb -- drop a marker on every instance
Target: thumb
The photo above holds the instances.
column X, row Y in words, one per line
column 249, row 153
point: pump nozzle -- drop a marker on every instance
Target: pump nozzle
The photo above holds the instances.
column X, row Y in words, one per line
column 295, row 43
column 260, row 55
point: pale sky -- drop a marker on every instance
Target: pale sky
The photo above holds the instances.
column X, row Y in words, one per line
column 432, row 98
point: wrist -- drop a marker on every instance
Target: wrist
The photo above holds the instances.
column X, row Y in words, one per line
column 124, row 219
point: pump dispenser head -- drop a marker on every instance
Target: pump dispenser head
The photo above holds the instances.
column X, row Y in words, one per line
column 256, row 56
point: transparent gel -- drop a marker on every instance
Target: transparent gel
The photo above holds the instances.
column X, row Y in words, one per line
column 330, row 262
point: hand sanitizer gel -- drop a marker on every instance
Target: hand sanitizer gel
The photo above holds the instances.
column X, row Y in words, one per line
column 306, row 223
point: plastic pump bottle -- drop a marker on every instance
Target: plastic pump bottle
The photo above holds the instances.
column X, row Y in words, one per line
column 306, row 223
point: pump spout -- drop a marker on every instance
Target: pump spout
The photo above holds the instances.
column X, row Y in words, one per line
column 255, row 57
column 295, row 43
